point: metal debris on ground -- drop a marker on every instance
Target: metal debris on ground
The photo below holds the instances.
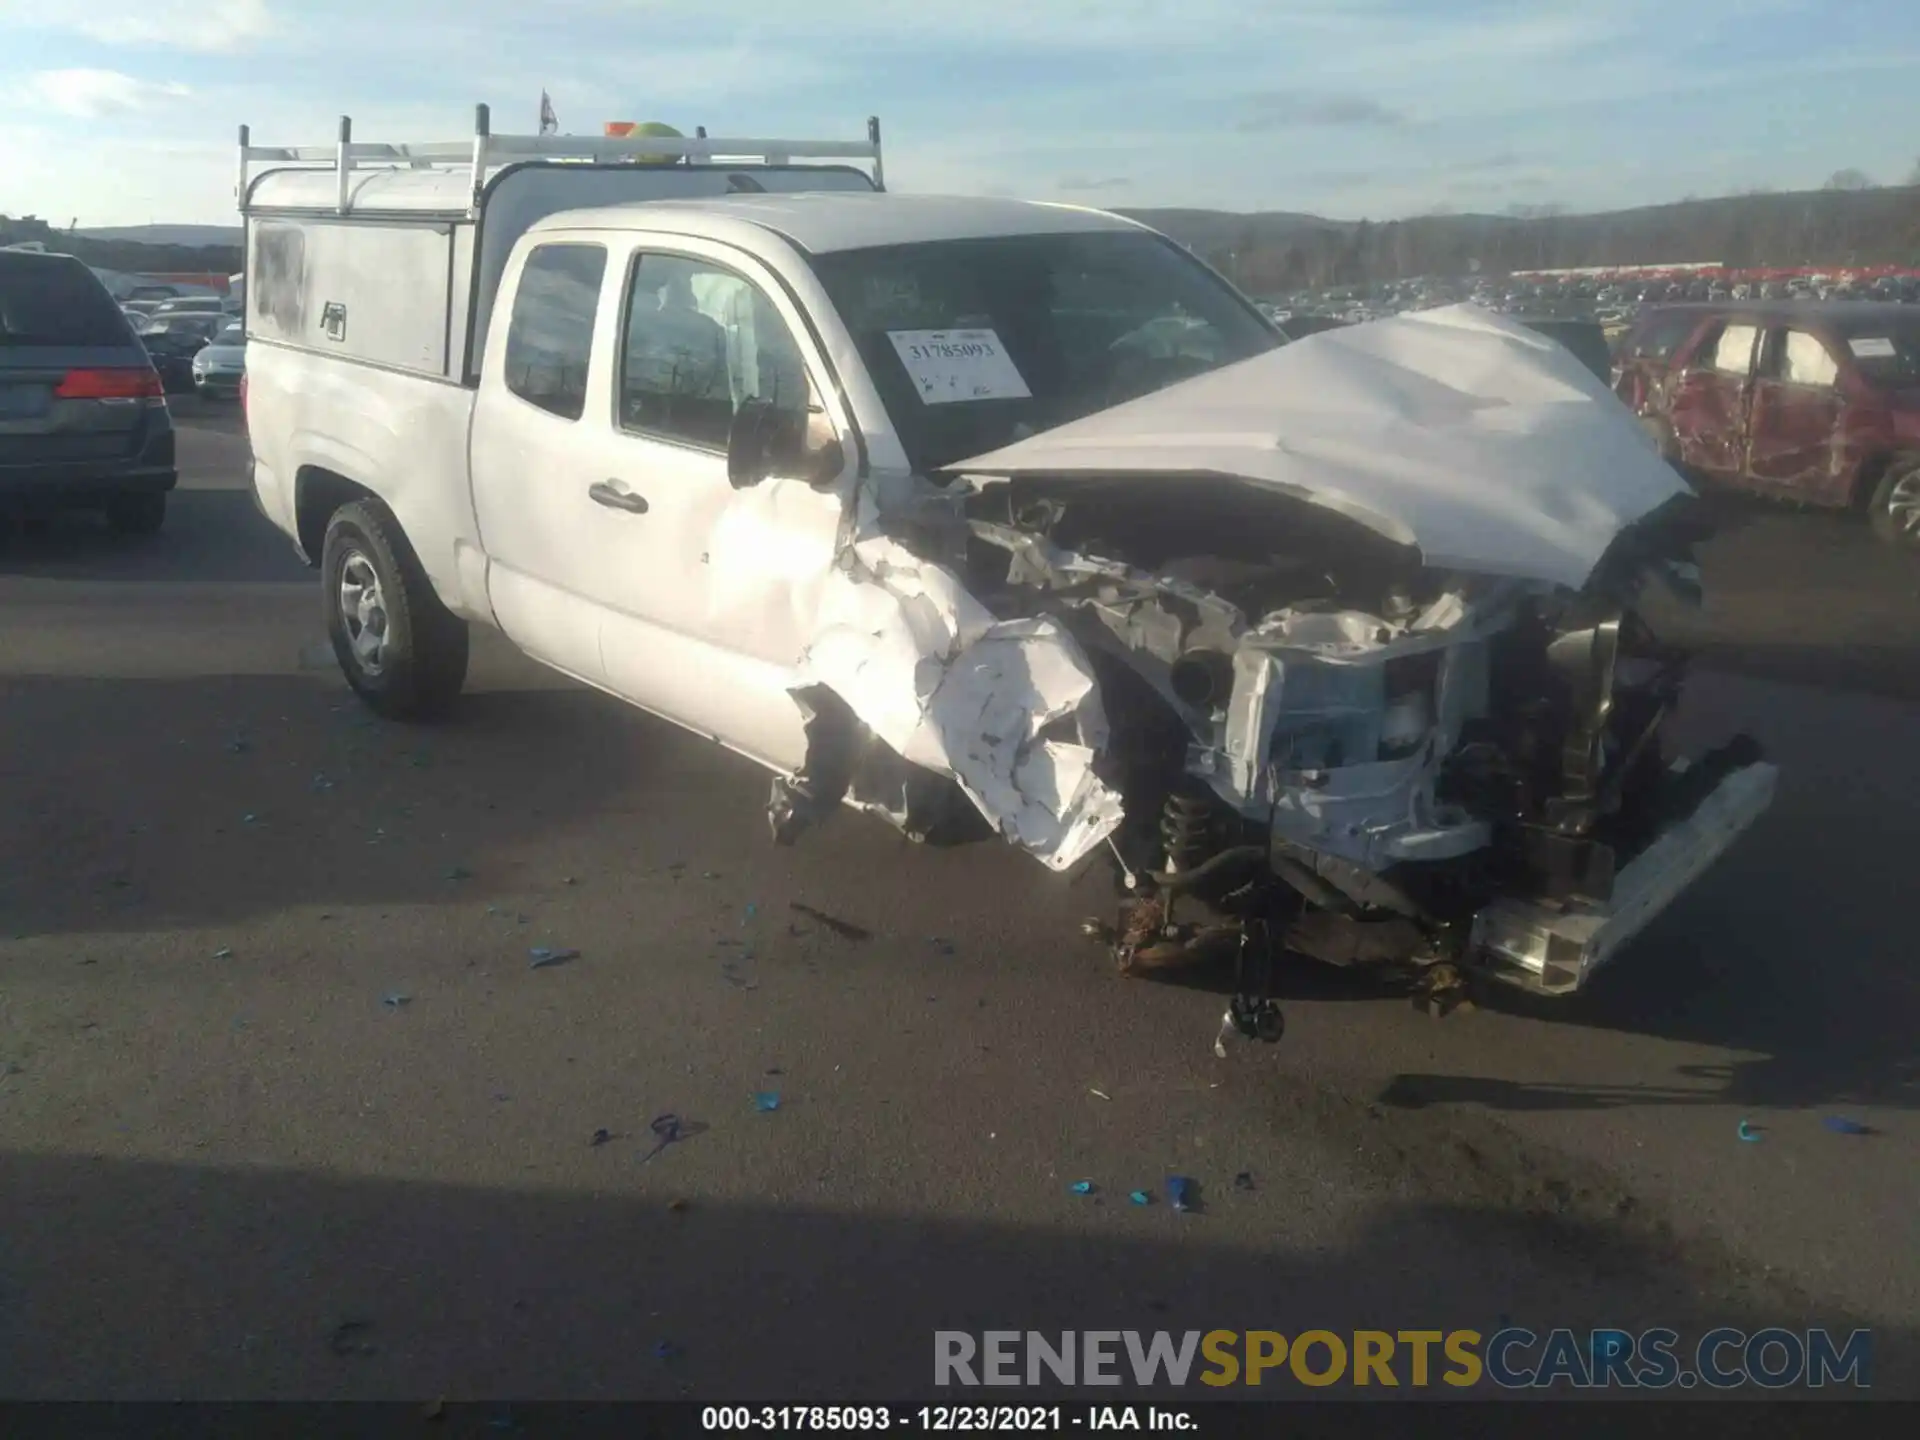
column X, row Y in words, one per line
column 239, row 745
column 600, row 1137
column 321, row 782
column 1100, row 1093
column 348, row 1338
column 543, row 956
column 223, row 953
column 1840, row 1125
column 667, row 1130
column 1747, row 1131
column 250, row 818
column 943, row 945
column 1183, row 1194
column 1227, row 1027
column 394, row 999
column 1243, row 1181
column 1082, row 1187
column 766, row 1101
column 459, row 872
column 1141, row 1197
column 845, row 929
column 569, row 880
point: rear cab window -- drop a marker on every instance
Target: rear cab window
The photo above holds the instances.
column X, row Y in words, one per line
column 57, row 302
column 550, row 333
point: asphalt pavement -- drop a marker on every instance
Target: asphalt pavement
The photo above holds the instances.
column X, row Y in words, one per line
column 286, row 1110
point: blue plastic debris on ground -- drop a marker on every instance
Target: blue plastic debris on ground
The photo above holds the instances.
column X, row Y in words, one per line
column 766, row 1101
column 1082, row 1187
column 1141, row 1197
column 543, row 956
column 1748, row 1132
column 1183, row 1193
column 1840, row 1125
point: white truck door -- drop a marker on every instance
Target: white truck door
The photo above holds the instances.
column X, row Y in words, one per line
column 536, row 453
column 708, row 617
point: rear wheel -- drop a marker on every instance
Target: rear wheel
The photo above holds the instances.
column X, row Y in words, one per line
column 138, row 513
column 1894, row 507
column 402, row 651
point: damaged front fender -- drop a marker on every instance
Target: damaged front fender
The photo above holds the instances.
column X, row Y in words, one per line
column 1008, row 710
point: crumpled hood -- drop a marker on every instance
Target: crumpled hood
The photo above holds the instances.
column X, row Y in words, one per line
column 1487, row 446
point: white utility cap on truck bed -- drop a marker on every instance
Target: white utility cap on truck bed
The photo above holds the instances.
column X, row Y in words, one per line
column 391, row 254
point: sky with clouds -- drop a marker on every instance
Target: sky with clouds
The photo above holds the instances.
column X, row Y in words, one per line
column 125, row 111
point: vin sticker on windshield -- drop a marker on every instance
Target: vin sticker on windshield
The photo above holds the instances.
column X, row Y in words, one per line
column 952, row 365
column 1872, row 348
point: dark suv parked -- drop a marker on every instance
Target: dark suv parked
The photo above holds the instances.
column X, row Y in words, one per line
column 83, row 418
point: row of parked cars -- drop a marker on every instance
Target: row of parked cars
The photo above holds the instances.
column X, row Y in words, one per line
column 196, row 342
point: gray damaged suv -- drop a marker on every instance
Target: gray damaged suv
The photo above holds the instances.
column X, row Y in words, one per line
column 83, row 418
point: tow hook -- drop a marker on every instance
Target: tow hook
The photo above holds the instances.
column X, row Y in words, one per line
column 1443, row 989
column 1252, row 1012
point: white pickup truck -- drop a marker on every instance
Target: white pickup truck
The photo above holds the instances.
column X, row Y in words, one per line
column 963, row 509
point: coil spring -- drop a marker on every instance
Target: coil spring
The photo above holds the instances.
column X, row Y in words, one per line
column 1186, row 829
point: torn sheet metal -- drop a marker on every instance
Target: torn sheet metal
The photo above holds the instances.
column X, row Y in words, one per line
column 1009, row 709
column 1488, row 447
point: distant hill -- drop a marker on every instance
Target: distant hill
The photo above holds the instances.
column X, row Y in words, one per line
column 101, row 249
column 193, row 237
column 1278, row 251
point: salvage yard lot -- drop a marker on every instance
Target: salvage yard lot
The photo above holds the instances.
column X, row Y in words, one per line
column 286, row 1110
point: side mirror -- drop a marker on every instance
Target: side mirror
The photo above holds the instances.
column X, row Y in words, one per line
column 751, row 443
column 764, row 442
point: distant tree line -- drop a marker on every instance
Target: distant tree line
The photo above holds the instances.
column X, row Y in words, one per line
column 1850, row 222
column 123, row 254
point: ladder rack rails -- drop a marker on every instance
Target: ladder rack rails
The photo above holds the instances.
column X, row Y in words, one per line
column 486, row 150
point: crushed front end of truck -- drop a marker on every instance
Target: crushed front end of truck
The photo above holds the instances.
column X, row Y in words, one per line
column 1336, row 652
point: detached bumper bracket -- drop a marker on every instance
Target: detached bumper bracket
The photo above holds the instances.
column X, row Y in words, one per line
column 1554, row 948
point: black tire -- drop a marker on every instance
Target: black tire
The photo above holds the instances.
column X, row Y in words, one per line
column 138, row 513
column 1894, row 506
column 415, row 662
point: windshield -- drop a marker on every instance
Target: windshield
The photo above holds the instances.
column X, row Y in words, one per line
column 1887, row 351
column 231, row 335
column 974, row 344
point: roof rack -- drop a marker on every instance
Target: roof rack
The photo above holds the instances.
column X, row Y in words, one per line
column 485, row 150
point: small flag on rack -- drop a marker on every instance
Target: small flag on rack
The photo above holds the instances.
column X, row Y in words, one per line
column 549, row 122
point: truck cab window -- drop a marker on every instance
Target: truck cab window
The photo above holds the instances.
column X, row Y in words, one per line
column 699, row 340
column 550, row 337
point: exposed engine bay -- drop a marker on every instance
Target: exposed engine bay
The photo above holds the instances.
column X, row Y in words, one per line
column 1289, row 728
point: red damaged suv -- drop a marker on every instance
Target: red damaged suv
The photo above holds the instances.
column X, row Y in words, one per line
column 1811, row 402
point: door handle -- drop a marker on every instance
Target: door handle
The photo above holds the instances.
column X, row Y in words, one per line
column 610, row 495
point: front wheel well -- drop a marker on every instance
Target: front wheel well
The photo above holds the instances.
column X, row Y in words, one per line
column 317, row 494
column 1872, row 470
